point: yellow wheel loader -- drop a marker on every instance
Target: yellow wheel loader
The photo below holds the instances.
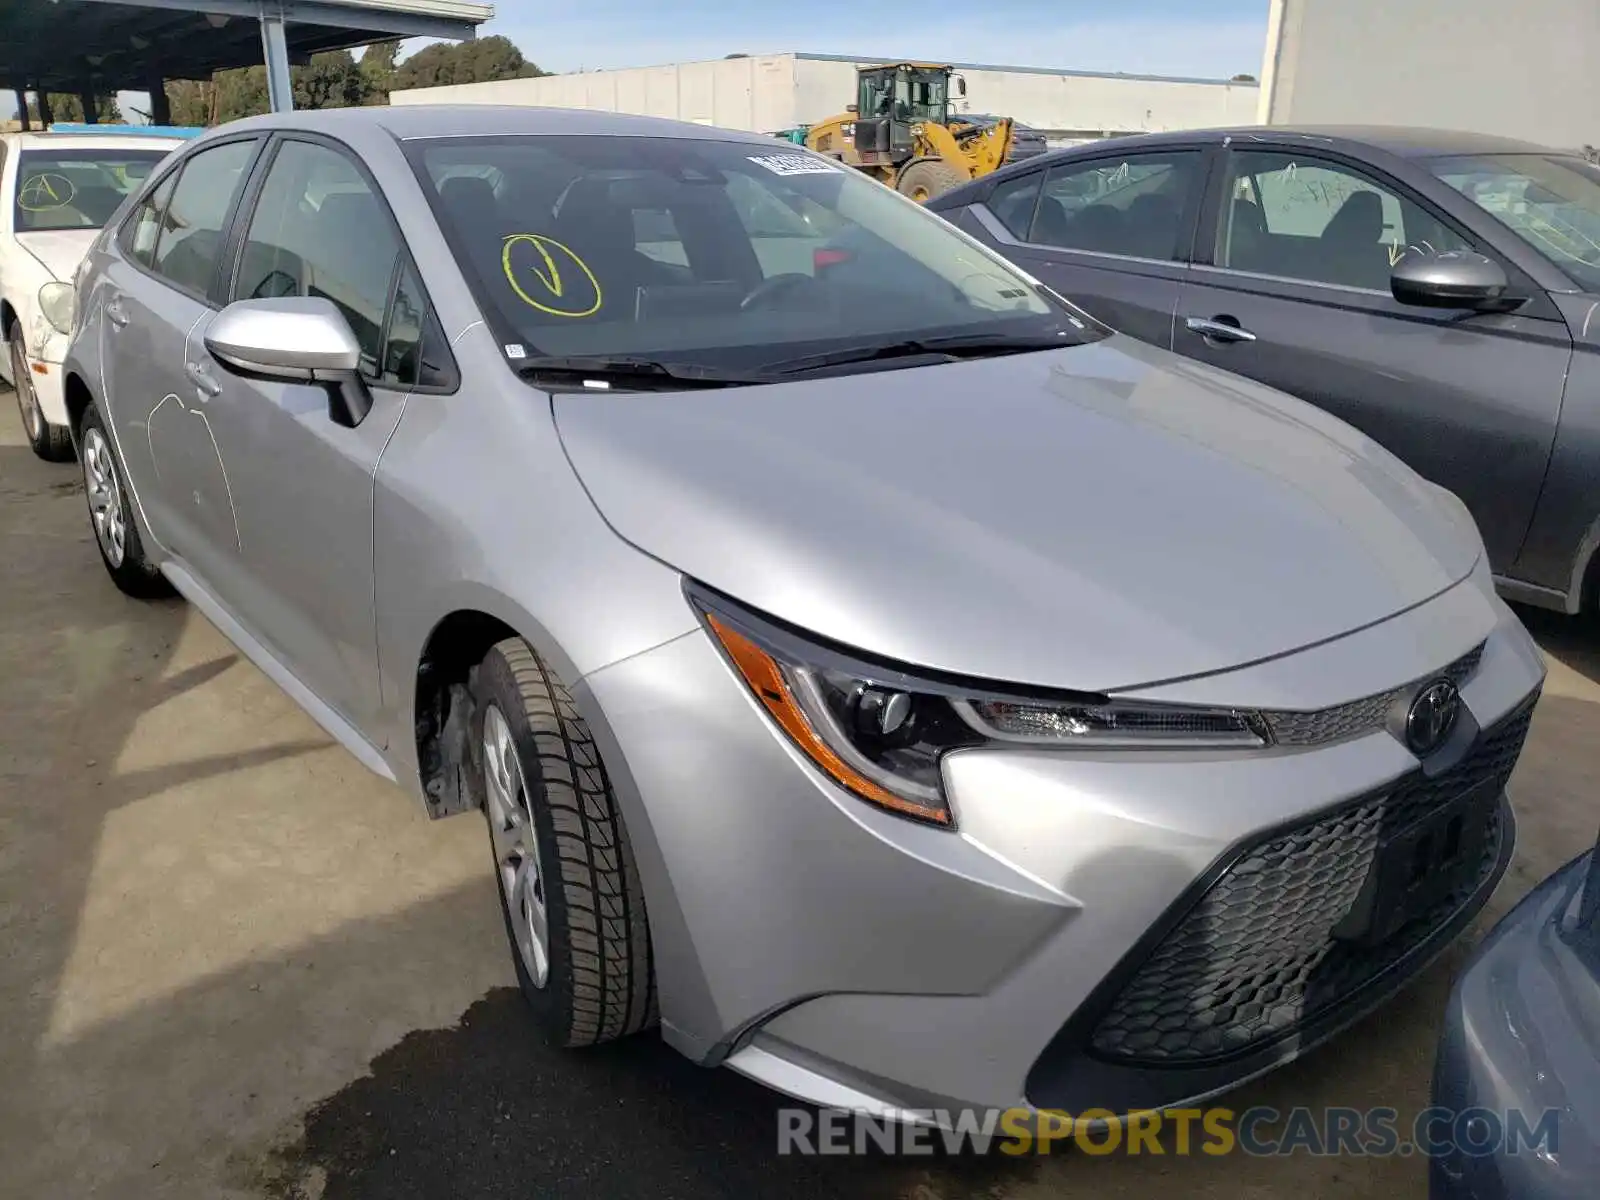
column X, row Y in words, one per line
column 901, row 131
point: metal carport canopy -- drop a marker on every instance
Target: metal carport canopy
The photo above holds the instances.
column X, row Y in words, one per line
column 87, row 47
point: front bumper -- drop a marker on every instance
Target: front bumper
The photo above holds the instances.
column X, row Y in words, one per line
column 849, row 957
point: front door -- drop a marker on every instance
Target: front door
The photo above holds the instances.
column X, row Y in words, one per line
column 154, row 295
column 301, row 482
column 1112, row 234
column 1299, row 299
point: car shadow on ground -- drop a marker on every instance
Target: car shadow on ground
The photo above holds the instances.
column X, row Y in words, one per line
column 1574, row 640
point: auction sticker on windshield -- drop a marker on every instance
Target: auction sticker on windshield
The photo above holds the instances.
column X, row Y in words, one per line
column 793, row 164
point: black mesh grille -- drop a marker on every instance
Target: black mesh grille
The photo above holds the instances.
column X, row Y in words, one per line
column 1358, row 716
column 1257, row 956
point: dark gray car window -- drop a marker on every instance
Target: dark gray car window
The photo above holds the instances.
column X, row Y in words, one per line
column 139, row 235
column 1320, row 221
column 1012, row 202
column 1130, row 205
column 319, row 230
column 190, row 235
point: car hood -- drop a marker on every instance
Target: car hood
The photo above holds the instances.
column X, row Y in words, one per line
column 60, row 250
column 1098, row 518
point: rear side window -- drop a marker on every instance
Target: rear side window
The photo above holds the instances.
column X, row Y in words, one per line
column 190, row 236
column 1013, row 201
column 1136, row 206
column 320, row 230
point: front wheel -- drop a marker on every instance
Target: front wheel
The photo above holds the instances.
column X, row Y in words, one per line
column 569, row 889
column 50, row 442
column 924, row 180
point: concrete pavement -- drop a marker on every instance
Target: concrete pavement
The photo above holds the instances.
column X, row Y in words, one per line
column 234, row 964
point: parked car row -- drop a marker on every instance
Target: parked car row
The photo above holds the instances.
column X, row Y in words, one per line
column 872, row 668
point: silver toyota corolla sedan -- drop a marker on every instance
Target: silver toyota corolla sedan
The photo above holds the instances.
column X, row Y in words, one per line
column 904, row 690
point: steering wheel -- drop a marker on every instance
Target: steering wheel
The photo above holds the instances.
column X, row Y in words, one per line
column 771, row 288
column 275, row 286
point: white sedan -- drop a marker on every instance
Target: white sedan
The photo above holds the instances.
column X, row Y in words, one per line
column 56, row 192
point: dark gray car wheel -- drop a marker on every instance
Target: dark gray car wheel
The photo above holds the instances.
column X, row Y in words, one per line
column 116, row 533
column 50, row 442
column 569, row 889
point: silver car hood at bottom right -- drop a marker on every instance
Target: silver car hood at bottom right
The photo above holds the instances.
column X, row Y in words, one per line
column 1098, row 518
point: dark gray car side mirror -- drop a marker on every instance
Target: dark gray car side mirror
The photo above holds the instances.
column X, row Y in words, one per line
column 1449, row 279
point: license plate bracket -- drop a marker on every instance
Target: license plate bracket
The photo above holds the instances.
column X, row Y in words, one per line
column 1416, row 867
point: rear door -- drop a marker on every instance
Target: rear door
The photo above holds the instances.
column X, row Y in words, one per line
column 1112, row 233
column 1293, row 290
column 154, row 292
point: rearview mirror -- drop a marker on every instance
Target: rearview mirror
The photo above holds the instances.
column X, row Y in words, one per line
column 1451, row 279
column 304, row 339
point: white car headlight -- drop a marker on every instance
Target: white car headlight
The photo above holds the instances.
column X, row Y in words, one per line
column 56, row 301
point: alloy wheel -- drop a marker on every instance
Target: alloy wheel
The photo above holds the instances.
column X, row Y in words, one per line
column 516, row 846
column 105, row 497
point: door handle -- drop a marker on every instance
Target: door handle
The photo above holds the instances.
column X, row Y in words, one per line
column 202, row 379
column 116, row 314
column 1222, row 331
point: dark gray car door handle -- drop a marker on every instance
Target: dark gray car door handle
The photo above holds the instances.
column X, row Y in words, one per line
column 116, row 314
column 1220, row 330
column 201, row 378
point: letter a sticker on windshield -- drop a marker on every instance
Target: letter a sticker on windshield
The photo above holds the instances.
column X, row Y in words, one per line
column 793, row 164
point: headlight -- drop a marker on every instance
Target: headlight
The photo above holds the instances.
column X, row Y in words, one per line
column 55, row 304
column 882, row 733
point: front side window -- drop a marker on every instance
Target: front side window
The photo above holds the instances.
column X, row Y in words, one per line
column 1320, row 221
column 712, row 252
column 320, row 230
column 1550, row 201
column 77, row 188
column 1135, row 206
column 190, row 237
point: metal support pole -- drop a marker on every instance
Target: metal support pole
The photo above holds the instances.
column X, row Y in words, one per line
column 22, row 109
column 91, row 113
column 47, row 115
column 160, row 106
column 275, row 48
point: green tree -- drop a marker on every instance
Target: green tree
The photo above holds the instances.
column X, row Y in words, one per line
column 477, row 61
column 377, row 71
column 330, row 80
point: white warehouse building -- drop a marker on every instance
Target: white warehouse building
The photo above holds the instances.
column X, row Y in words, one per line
column 771, row 92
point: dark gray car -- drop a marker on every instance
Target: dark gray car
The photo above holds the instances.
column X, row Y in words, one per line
column 1437, row 290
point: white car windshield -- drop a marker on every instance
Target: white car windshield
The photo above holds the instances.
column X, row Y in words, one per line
column 76, row 188
column 1550, row 201
column 720, row 253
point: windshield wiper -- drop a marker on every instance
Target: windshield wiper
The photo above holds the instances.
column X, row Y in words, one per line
column 949, row 348
column 631, row 374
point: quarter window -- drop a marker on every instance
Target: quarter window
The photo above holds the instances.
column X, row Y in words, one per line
column 146, row 225
column 319, row 230
column 189, row 236
column 1136, row 206
column 1320, row 221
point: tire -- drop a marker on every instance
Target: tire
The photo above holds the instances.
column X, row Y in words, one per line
column 539, row 764
column 53, row 443
column 924, row 180
column 106, row 490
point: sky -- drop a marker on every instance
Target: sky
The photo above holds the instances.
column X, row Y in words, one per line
column 1213, row 39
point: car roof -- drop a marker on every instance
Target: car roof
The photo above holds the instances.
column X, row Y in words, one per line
column 43, row 140
column 415, row 121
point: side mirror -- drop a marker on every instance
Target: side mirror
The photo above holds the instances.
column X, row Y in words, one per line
column 305, row 339
column 1451, row 279
column 852, row 108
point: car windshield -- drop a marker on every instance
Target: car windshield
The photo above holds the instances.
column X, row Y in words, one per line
column 1550, row 201
column 717, row 254
column 77, row 188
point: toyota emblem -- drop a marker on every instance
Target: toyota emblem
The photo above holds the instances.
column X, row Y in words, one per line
column 1433, row 715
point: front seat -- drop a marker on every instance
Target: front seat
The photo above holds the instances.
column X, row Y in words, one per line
column 600, row 231
column 1351, row 246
